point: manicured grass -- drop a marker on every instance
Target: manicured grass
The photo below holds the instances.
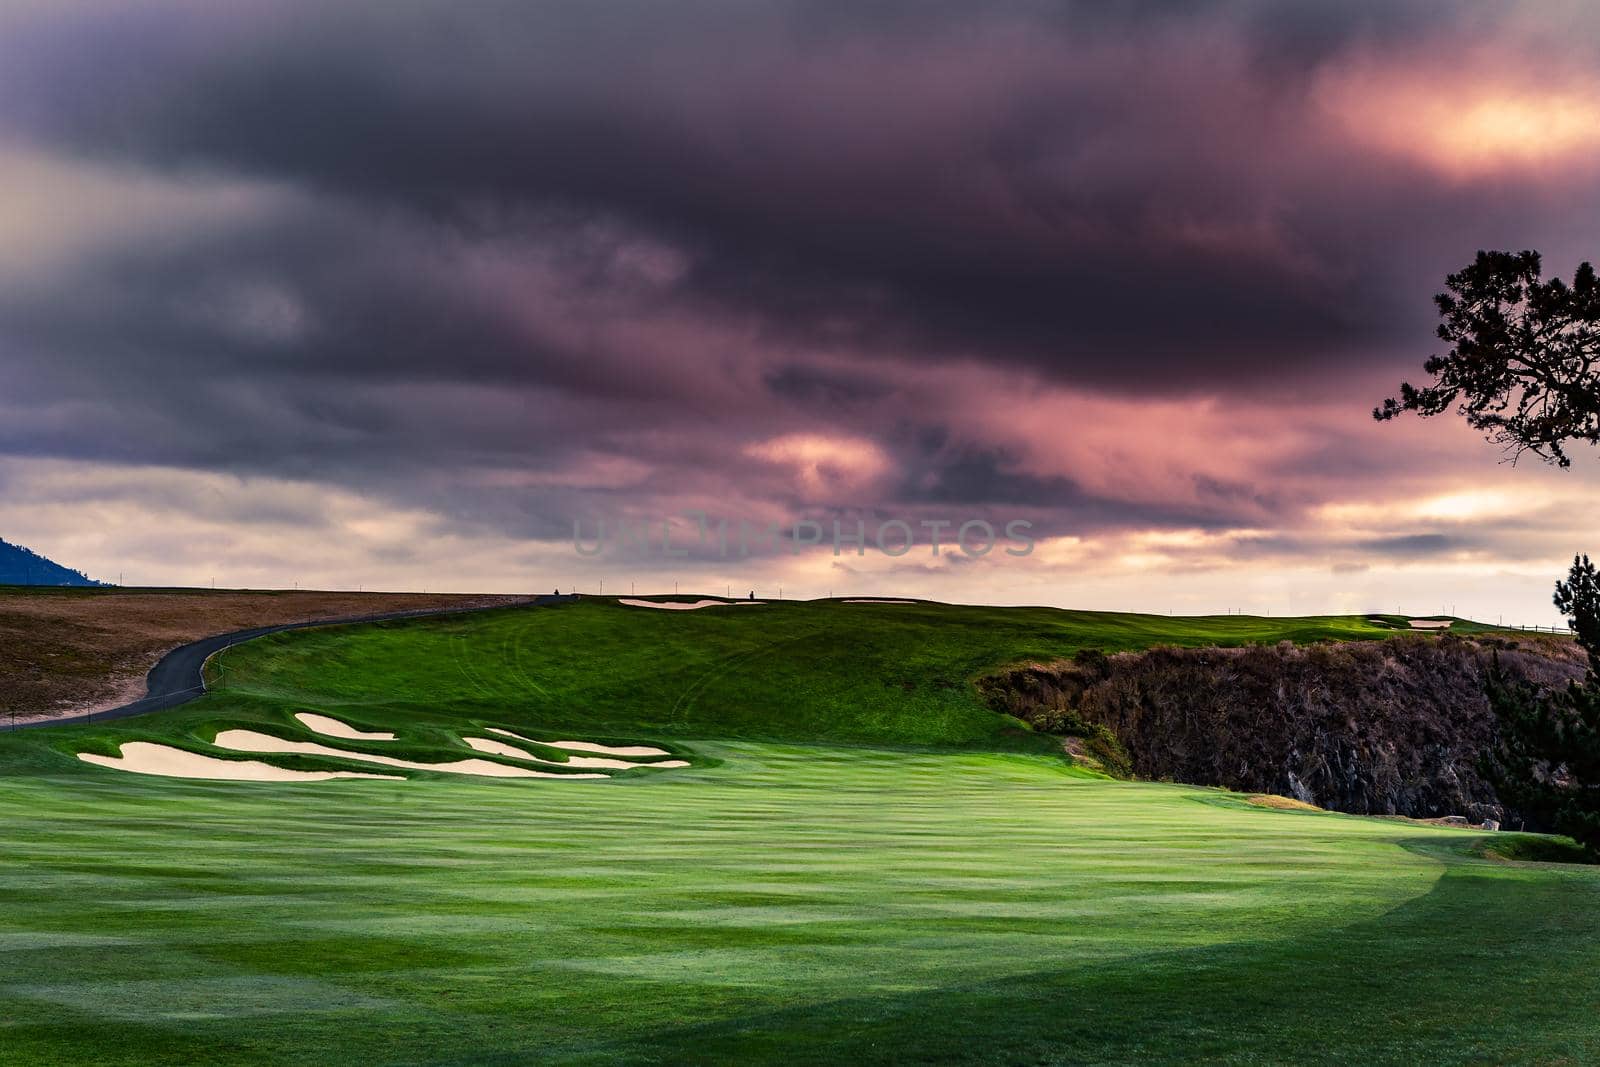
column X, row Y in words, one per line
column 805, row 671
column 809, row 903
column 909, row 884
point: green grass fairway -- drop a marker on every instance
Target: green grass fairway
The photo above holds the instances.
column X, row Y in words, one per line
column 860, row 867
column 806, row 671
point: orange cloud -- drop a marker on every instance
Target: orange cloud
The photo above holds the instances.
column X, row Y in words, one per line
column 822, row 463
column 1467, row 119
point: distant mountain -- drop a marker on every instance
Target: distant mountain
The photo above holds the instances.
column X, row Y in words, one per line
column 22, row 566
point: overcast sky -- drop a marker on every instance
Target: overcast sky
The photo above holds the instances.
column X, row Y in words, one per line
column 389, row 294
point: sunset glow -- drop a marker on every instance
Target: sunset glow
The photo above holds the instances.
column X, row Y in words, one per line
column 1469, row 123
column 1137, row 281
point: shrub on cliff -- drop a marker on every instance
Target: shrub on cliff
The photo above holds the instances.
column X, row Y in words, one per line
column 1548, row 761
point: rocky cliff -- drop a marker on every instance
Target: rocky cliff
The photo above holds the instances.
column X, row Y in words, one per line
column 1393, row 727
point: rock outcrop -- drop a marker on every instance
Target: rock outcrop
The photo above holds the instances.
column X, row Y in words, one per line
column 1396, row 727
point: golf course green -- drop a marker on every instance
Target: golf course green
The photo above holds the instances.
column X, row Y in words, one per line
column 860, row 863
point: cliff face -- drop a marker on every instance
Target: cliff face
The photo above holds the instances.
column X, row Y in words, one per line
column 1391, row 727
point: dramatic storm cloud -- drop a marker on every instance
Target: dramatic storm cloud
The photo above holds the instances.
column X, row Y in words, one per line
column 394, row 293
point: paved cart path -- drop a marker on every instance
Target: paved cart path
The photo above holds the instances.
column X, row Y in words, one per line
column 179, row 676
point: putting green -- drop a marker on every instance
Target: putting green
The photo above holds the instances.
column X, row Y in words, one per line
column 814, row 902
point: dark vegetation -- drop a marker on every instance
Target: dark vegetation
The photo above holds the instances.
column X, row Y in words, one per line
column 23, row 566
column 1395, row 727
column 1524, row 359
column 1524, row 367
column 1548, row 761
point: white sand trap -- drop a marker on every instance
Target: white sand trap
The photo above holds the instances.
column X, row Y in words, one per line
column 1430, row 624
column 880, row 601
column 500, row 748
column 334, row 728
column 144, row 757
column 251, row 741
column 588, row 746
column 678, row 606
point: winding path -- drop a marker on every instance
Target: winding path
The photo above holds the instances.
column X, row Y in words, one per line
column 179, row 676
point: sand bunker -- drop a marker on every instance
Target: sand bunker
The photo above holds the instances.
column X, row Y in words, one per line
column 251, row 741
column 692, row 606
column 144, row 757
column 587, row 746
column 880, row 601
column 1430, row 624
column 334, row 728
column 500, row 748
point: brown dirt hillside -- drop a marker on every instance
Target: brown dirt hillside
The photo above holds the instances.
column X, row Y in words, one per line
column 64, row 651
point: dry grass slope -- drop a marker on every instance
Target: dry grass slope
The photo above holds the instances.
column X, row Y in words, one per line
column 64, row 651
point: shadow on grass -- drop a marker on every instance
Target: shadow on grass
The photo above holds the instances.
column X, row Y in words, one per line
column 1532, row 848
column 1494, row 964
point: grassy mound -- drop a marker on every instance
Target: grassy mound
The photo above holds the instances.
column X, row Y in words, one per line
column 1532, row 848
column 1279, row 803
column 808, row 671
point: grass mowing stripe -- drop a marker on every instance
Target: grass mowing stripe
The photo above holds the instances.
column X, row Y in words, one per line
column 923, row 887
column 715, row 899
